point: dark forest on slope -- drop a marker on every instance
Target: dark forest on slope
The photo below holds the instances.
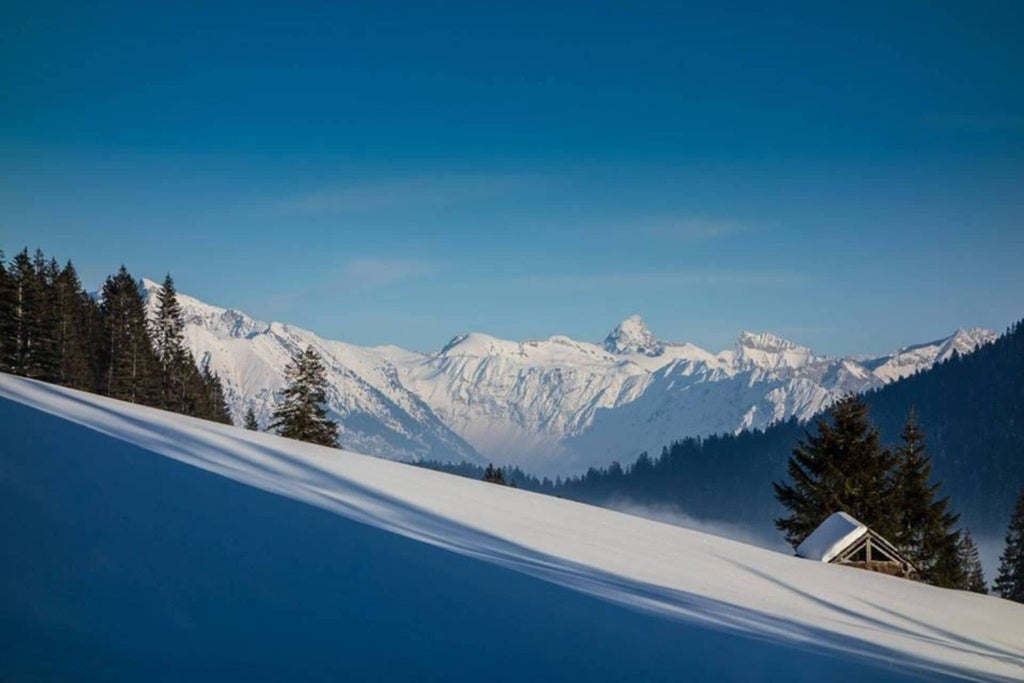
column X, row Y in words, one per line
column 52, row 330
column 971, row 409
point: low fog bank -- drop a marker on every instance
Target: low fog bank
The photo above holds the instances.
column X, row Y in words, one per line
column 989, row 547
column 673, row 514
column 989, row 550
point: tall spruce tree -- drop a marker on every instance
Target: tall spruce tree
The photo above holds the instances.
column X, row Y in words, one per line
column 974, row 575
column 214, row 405
column 841, row 468
column 180, row 379
column 302, row 415
column 72, row 312
column 44, row 363
column 23, row 334
column 924, row 526
column 250, row 420
column 7, row 321
column 129, row 363
column 1010, row 580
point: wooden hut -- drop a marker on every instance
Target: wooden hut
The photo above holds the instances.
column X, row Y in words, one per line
column 841, row 539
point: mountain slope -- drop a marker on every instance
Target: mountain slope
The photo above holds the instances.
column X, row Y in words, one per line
column 971, row 408
column 552, row 406
column 375, row 412
column 128, row 555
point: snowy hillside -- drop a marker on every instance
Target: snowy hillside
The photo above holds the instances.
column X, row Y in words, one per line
column 553, row 406
column 143, row 545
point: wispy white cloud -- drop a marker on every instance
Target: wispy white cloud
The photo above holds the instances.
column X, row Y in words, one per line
column 355, row 276
column 689, row 229
column 372, row 273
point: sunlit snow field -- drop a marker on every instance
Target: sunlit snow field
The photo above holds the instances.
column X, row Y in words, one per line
column 144, row 545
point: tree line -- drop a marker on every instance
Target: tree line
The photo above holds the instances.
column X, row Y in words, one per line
column 52, row 330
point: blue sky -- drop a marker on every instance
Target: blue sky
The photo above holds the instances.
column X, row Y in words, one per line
column 848, row 176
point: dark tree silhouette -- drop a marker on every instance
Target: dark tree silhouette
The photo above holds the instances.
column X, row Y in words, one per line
column 302, row 415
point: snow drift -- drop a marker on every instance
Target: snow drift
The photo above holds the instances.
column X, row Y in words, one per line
column 140, row 544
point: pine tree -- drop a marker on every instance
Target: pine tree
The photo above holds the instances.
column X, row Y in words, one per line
column 7, row 319
column 44, row 360
column 129, row 364
column 494, row 475
column 214, row 405
column 974, row 576
column 250, row 420
column 179, row 377
column 924, row 526
column 842, row 468
column 73, row 310
column 302, row 415
column 24, row 298
column 1010, row 581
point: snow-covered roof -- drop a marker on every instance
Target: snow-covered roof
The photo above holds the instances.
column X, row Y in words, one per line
column 831, row 538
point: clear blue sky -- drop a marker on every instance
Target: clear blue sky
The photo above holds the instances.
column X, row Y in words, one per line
column 851, row 176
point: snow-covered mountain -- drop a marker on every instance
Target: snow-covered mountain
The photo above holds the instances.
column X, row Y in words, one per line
column 553, row 406
column 144, row 545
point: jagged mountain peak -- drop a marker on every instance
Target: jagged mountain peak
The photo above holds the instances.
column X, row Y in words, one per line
column 552, row 406
column 476, row 344
column 769, row 351
column 964, row 341
column 633, row 336
column 765, row 341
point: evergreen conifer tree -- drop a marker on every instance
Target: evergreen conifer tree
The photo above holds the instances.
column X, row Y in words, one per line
column 302, row 415
column 494, row 475
column 23, row 305
column 44, row 360
column 974, row 576
column 924, row 531
column 214, row 406
column 842, row 468
column 72, row 312
column 129, row 364
column 182, row 387
column 250, row 420
column 7, row 320
column 1010, row 580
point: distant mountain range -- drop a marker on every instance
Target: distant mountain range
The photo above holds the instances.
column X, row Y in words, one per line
column 971, row 409
column 552, row 406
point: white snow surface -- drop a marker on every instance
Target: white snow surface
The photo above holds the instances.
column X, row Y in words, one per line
column 552, row 406
column 833, row 536
column 699, row 581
